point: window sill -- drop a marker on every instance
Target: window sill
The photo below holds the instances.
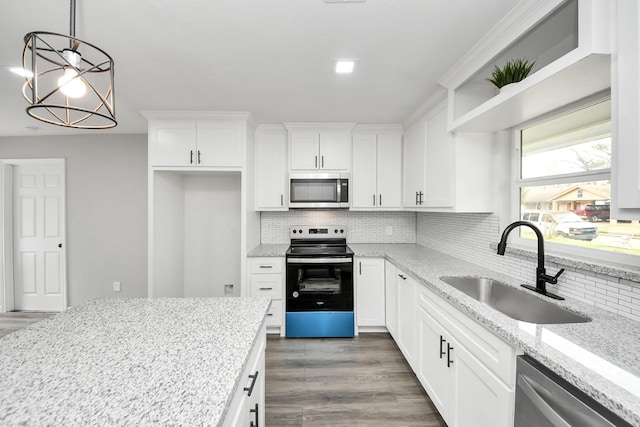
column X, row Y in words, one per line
column 608, row 269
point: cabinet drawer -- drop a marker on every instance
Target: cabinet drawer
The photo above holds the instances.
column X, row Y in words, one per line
column 274, row 315
column 496, row 354
column 266, row 286
column 271, row 265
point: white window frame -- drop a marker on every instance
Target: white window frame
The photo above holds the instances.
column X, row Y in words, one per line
column 559, row 249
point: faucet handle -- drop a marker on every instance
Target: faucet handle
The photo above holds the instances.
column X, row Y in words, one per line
column 554, row 279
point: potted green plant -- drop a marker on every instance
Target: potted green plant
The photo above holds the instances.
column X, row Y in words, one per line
column 513, row 71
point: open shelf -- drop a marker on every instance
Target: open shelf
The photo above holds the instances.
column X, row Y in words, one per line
column 569, row 79
column 569, row 42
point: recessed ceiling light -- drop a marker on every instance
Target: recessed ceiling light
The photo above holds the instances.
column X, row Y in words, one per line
column 344, row 1
column 21, row 72
column 344, row 66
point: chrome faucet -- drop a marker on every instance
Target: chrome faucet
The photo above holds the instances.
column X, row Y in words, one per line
column 542, row 278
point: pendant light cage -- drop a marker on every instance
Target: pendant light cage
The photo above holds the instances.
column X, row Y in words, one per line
column 56, row 65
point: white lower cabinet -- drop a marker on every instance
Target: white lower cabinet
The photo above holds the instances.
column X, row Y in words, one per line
column 466, row 391
column 370, row 302
column 391, row 299
column 247, row 405
column 266, row 280
column 407, row 325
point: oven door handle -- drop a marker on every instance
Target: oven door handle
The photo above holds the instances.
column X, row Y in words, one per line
column 319, row 261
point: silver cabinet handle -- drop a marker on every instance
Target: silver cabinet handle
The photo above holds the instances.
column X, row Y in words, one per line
column 316, row 161
column 190, row 157
column 374, row 200
column 322, row 161
column 266, row 289
column 199, row 157
column 380, row 204
column 266, row 266
column 282, row 200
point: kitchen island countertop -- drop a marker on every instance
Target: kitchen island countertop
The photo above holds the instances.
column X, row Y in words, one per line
column 143, row 362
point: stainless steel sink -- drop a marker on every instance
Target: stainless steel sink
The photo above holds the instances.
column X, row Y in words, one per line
column 513, row 302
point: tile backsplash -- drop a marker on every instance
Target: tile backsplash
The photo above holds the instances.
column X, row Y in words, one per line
column 468, row 236
column 363, row 227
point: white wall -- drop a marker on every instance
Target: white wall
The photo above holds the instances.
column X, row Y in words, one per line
column 106, row 209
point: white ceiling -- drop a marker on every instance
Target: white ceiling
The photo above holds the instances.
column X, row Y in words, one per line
column 273, row 58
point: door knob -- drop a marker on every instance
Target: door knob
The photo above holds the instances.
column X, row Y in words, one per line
column 59, row 245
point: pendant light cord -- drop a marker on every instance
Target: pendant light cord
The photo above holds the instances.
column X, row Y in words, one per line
column 72, row 23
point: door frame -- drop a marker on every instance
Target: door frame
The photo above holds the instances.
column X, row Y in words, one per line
column 7, row 301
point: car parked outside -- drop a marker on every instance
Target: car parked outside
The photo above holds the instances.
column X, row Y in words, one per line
column 594, row 213
column 561, row 224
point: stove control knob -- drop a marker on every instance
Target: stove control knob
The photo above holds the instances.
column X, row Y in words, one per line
column 335, row 231
column 342, row 231
column 295, row 294
column 300, row 231
column 295, row 231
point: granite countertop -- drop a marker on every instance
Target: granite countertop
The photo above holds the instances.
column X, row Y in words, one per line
column 601, row 357
column 142, row 362
column 267, row 250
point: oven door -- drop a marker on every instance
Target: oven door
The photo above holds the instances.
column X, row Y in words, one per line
column 319, row 284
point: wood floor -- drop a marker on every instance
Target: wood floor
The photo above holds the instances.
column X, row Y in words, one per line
column 362, row 381
column 10, row 322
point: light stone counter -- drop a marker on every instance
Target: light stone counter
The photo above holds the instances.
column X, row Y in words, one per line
column 133, row 362
column 602, row 357
column 269, row 250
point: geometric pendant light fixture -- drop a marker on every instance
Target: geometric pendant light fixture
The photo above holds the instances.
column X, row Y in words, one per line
column 69, row 81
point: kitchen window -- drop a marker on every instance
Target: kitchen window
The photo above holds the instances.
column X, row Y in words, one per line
column 563, row 185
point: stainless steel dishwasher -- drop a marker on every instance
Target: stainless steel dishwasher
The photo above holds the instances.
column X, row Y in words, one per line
column 543, row 399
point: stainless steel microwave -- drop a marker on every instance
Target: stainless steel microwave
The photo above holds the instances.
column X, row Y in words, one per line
column 319, row 190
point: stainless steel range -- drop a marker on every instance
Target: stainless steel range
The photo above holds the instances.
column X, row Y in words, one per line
column 319, row 283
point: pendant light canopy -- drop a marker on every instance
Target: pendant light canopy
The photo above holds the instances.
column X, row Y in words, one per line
column 69, row 81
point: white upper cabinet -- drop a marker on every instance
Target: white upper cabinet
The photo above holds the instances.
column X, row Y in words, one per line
column 444, row 171
column 178, row 139
column 271, row 168
column 570, row 44
column 625, row 105
column 219, row 144
column 319, row 147
column 172, row 142
column 377, row 168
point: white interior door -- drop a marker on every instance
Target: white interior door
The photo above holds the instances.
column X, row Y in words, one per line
column 38, row 230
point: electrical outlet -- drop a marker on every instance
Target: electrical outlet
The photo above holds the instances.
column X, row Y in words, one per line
column 389, row 230
column 228, row 290
column 116, row 286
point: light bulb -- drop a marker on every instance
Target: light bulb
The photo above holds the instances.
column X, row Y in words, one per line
column 72, row 85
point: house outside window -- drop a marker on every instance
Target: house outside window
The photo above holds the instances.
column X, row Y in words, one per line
column 563, row 184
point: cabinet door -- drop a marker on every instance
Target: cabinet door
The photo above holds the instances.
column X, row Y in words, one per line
column 335, row 151
column 172, row 143
column 407, row 317
column 391, row 299
column 389, row 167
column 439, row 171
column 625, row 97
column 363, row 174
column 479, row 398
column 414, row 153
column 433, row 372
column 304, row 150
column 370, row 292
column 271, row 170
column 219, row 144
